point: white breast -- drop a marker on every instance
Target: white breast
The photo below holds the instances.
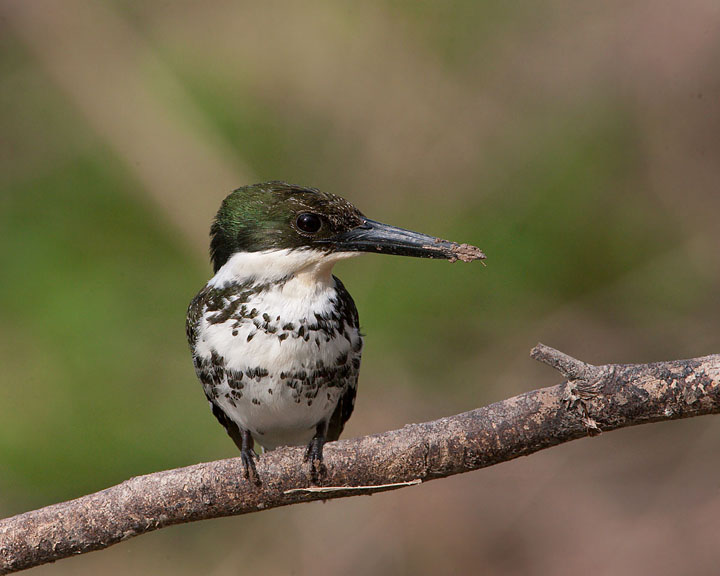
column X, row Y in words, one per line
column 268, row 356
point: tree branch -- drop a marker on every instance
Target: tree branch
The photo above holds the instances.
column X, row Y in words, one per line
column 594, row 399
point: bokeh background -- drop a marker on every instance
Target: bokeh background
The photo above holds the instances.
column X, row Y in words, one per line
column 577, row 143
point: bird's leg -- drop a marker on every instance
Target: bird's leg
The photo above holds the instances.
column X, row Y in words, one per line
column 314, row 453
column 247, row 455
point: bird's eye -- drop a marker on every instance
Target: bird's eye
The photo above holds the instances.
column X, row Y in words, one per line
column 308, row 223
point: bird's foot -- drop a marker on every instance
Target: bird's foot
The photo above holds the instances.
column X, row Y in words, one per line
column 249, row 471
column 314, row 455
column 247, row 455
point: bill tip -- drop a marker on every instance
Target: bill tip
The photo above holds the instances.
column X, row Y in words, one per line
column 466, row 253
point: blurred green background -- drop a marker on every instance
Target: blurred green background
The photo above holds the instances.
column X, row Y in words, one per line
column 578, row 144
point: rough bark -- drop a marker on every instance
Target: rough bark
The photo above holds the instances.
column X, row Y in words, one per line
column 591, row 400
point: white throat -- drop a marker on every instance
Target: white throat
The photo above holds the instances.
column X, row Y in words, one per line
column 303, row 265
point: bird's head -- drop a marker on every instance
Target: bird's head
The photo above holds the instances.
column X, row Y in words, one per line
column 276, row 216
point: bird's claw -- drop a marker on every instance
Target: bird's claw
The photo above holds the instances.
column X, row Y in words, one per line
column 314, row 455
column 249, row 470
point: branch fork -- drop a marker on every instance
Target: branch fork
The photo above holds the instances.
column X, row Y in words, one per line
column 584, row 382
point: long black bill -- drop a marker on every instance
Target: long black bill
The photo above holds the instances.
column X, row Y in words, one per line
column 374, row 236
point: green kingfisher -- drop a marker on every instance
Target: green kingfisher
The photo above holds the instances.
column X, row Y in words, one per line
column 275, row 337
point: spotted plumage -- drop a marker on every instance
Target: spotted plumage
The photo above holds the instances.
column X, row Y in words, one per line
column 275, row 337
column 304, row 362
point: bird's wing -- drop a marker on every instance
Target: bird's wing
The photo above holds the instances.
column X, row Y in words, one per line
column 209, row 373
column 342, row 413
column 230, row 427
column 346, row 403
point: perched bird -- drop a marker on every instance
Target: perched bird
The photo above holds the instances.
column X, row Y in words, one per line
column 275, row 337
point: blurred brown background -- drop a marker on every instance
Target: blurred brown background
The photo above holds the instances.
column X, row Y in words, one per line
column 577, row 143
